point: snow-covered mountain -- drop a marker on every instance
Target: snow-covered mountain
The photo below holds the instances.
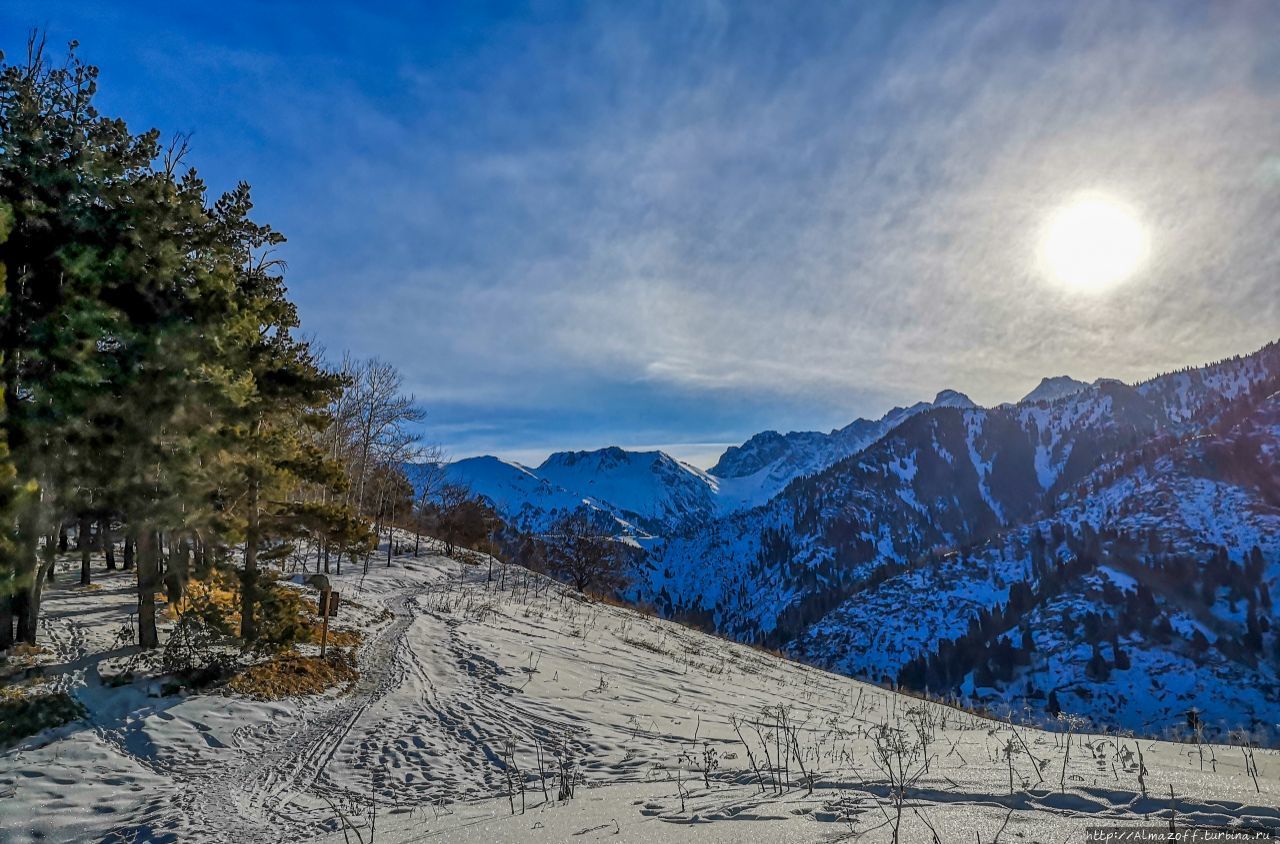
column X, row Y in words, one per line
column 645, row 493
column 857, row 568
column 1052, row 389
column 1148, row 595
column 767, row 462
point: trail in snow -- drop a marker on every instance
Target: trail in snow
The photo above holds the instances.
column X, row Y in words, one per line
column 284, row 761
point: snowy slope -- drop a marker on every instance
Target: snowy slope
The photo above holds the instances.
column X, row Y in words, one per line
column 515, row 490
column 478, row 700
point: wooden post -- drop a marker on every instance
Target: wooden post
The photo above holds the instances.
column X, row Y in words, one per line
column 324, row 624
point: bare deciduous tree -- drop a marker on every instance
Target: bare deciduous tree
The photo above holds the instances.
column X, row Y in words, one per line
column 588, row 557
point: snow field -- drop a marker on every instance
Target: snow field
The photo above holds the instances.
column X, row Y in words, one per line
column 471, row 683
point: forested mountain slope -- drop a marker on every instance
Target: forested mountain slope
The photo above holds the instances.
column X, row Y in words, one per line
column 846, row 567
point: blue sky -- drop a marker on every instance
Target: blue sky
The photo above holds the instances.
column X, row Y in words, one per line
column 677, row 224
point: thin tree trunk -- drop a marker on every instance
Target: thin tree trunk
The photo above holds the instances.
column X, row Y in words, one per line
column 148, row 582
column 85, row 546
column 107, row 541
column 179, row 569
column 6, row 622
column 204, row 559
column 129, row 552
column 249, row 579
column 23, row 626
column 62, row 538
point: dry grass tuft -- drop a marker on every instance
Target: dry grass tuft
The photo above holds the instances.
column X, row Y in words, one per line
column 291, row 675
column 219, row 591
column 341, row 638
column 645, row 645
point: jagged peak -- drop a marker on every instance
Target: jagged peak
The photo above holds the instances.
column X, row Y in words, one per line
column 609, row 455
column 952, row 398
column 1056, row 387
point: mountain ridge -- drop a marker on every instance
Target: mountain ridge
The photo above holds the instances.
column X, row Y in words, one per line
column 650, row 493
column 951, row 478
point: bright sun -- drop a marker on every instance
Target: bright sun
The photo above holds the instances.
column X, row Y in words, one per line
column 1092, row 243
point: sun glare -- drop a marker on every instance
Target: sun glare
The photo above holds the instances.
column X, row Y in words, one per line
column 1092, row 243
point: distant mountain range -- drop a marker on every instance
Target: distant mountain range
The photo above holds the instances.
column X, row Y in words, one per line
column 650, row 494
column 1105, row 549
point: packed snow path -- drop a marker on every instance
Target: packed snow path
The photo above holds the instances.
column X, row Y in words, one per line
column 284, row 759
column 470, row 688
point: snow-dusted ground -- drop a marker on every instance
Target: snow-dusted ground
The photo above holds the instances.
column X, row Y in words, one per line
column 466, row 684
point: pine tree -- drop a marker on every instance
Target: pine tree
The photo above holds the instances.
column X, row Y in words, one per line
column 285, row 395
column 9, row 492
column 64, row 176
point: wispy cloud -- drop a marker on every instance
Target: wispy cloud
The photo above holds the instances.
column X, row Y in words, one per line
column 683, row 222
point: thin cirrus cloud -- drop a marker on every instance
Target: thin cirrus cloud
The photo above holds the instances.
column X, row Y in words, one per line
column 680, row 223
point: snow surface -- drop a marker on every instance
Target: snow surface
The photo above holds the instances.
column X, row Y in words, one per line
column 466, row 683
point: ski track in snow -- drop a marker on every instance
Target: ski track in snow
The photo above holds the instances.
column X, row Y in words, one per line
column 283, row 761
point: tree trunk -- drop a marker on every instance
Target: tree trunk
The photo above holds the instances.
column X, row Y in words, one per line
column 179, row 572
column 84, row 545
column 326, row 556
column 62, row 538
column 204, row 559
column 148, row 583
column 6, row 622
column 107, row 541
column 28, row 607
column 23, row 628
column 249, row 578
column 127, row 562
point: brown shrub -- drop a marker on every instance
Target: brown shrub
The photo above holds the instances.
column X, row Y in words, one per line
column 290, row 675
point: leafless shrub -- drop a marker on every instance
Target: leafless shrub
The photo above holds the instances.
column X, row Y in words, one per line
column 900, row 759
column 1243, row 740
